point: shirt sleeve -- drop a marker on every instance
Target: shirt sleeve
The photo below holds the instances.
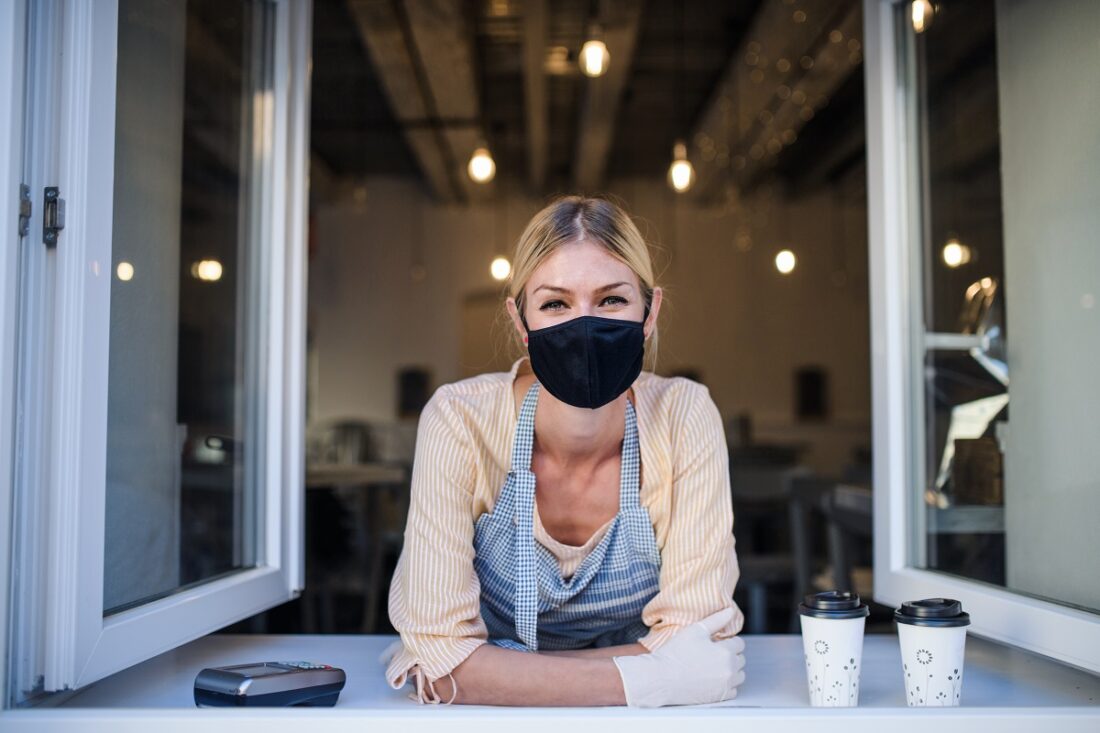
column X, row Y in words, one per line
column 698, row 561
column 435, row 594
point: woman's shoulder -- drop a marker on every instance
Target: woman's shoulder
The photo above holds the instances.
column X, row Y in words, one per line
column 671, row 394
column 677, row 407
column 481, row 386
column 477, row 401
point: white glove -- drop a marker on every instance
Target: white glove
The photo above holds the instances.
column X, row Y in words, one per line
column 688, row 669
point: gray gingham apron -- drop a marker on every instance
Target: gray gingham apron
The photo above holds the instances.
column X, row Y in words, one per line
column 525, row 602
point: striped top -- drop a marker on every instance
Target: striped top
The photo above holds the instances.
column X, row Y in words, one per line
column 463, row 453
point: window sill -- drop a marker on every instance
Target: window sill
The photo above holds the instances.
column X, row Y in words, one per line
column 1004, row 686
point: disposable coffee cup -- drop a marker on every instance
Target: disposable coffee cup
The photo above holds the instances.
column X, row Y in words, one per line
column 932, row 635
column 832, row 643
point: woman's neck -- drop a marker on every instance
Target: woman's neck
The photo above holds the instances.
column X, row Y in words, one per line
column 574, row 436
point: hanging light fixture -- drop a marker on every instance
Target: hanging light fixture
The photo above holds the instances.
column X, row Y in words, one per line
column 920, row 13
column 785, row 262
column 481, row 167
column 955, row 254
column 681, row 174
column 500, row 268
column 208, row 270
column 594, row 58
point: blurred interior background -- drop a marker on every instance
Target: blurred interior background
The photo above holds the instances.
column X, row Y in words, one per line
column 734, row 135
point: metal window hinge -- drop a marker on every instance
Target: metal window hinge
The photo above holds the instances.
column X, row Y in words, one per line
column 24, row 209
column 53, row 216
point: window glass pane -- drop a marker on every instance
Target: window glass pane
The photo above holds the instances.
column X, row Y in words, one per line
column 1009, row 167
column 182, row 496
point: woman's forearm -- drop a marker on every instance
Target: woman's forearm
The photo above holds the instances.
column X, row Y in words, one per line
column 605, row 652
column 495, row 676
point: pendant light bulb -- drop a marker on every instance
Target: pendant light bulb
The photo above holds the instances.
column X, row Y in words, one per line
column 785, row 262
column 208, row 270
column 500, row 268
column 481, row 167
column 920, row 13
column 955, row 254
column 594, row 58
column 681, row 174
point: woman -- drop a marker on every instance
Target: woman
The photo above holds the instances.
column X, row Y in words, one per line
column 580, row 553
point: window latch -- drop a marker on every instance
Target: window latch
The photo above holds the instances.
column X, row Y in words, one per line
column 24, row 209
column 53, row 216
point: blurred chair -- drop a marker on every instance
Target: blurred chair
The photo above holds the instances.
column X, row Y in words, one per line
column 847, row 510
column 762, row 495
column 387, row 536
column 807, row 498
column 369, row 502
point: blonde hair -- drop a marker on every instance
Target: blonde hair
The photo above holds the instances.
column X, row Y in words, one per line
column 571, row 219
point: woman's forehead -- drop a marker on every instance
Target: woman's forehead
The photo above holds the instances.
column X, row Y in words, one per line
column 580, row 266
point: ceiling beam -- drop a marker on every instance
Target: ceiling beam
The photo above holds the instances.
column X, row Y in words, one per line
column 603, row 95
column 787, row 67
column 444, row 39
column 422, row 51
column 534, row 91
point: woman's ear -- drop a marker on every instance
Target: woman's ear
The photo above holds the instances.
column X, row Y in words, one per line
column 513, row 311
column 654, row 307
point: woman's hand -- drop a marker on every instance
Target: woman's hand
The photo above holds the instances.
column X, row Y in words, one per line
column 687, row 669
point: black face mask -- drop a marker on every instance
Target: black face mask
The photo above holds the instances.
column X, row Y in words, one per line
column 587, row 361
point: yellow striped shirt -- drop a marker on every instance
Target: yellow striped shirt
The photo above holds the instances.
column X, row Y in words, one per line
column 463, row 453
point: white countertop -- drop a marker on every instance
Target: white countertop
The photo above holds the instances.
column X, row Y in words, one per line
column 1013, row 689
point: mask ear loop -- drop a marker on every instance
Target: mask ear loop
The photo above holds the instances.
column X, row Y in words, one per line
column 526, row 328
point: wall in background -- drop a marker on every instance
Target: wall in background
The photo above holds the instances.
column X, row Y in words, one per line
column 729, row 315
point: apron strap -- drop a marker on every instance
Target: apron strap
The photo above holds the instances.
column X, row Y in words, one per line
column 525, row 567
column 630, row 462
column 523, row 439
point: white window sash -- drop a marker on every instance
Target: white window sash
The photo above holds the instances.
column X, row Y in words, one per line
column 12, row 50
column 1061, row 632
column 80, row 644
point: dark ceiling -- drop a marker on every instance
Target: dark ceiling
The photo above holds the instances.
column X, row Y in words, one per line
column 352, row 128
column 681, row 52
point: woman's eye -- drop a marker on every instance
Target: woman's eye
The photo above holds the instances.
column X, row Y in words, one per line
column 551, row 305
column 614, row 300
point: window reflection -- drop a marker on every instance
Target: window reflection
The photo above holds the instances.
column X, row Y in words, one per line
column 179, row 483
column 999, row 473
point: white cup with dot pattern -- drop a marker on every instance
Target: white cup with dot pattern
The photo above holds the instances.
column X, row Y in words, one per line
column 932, row 636
column 832, row 645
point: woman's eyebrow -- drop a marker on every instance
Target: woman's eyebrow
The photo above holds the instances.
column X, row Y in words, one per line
column 567, row 291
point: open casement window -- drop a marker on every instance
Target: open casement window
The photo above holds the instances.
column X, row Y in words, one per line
column 983, row 172
column 157, row 355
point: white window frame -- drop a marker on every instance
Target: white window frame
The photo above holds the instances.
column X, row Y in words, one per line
column 12, row 49
column 80, row 644
column 1061, row 632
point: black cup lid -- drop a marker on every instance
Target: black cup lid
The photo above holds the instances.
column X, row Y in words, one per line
column 942, row 612
column 833, row 604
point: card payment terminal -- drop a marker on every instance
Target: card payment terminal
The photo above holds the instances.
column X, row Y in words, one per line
column 269, row 684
